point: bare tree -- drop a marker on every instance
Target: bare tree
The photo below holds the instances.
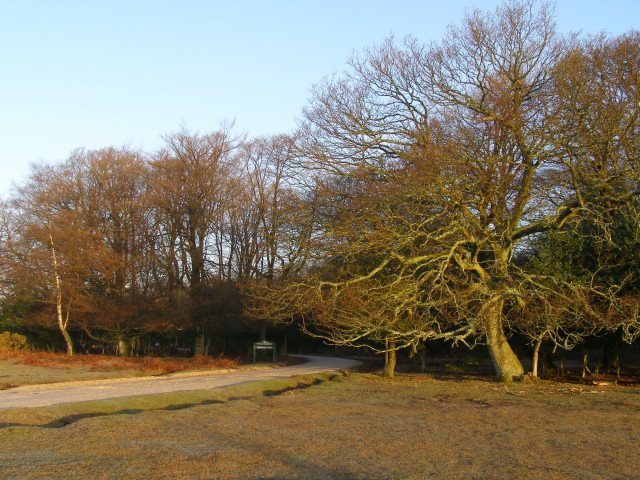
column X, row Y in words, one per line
column 55, row 257
column 115, row 185
column 190, row 187
column 280, row 227
column 275, row 180
column 470, row 133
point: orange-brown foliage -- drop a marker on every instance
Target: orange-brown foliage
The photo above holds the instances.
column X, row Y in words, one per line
column 106, row 363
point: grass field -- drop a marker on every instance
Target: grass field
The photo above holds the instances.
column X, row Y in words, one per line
column 335, row 426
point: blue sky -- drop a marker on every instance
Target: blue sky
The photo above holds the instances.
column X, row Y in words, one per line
column 89, row 73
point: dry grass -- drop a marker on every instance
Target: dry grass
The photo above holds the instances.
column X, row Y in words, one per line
column 25, row 367
column 107, row 363
column 353, row 427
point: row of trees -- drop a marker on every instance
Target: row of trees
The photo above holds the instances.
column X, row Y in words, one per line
column 118, row 244
column 463, row 190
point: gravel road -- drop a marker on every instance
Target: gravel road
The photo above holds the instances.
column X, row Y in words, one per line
column 58, row 393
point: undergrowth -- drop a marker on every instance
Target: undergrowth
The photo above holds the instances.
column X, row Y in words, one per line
column 107, row 363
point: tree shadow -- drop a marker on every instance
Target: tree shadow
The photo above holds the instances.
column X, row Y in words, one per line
column 71, row 419
column 297, row 386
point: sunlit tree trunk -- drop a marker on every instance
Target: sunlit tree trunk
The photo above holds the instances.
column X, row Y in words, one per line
column 534, row 358
column 389, row 358
column 123, row 347
column 63, row 320
column 506, row 363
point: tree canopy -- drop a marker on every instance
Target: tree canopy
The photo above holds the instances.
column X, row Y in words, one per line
column 439, row 163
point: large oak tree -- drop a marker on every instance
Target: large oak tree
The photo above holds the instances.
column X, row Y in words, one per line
column 440, row 161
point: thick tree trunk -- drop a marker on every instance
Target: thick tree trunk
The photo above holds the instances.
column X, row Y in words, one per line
column 389, row 359
column 123, row 347
column 506, row 363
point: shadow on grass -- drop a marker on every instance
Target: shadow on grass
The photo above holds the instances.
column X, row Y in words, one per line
column 71, row 419
column 298, row 386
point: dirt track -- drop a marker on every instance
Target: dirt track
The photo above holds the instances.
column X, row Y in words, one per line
column 58, row 393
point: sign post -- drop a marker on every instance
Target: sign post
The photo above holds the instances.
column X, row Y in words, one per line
column 263, row 347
